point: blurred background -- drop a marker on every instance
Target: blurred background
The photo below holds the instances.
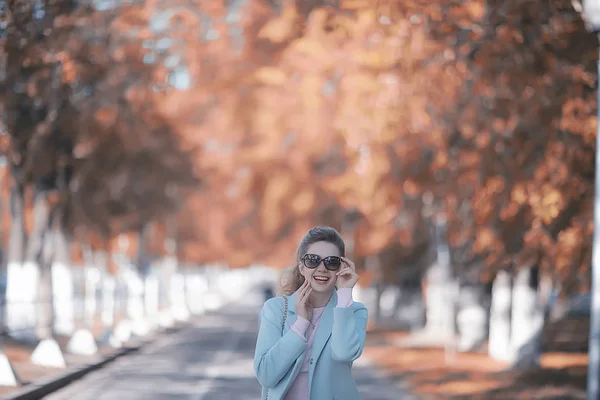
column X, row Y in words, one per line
column 163, row 157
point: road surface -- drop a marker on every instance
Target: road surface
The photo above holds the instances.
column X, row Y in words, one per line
column 210, row 360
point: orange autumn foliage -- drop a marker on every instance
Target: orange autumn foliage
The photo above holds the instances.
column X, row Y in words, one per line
column 302, row 113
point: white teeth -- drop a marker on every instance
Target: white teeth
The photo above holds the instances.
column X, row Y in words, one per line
column 321, row 278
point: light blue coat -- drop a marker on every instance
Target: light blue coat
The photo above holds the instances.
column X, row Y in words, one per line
column 339, row 341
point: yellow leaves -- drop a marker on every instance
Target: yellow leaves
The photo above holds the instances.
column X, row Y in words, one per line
column 484, row 240
column 475, row 9
column 69, row 70
column 578, row 117
column 569, row 245
column 499, row 124
column 486, row 198
column 278, row 187
column 311, row 47
column 468, row 160
column 483, row 139
column 547, row 203
column 466, row 14
column 353, row 82
column 493, row 187
column 367, row 17
column 510, row 211
column 375, row 59
column 552, row 200
column 375, row 192
column 270, row 76
column 310, row 92
column 303, row 202
column 375, row 239
column 467, row 130
column 441, row 159
column 586, row 77
column 411, row 188
column 356, row 4
column 519, row 194
column 359, row 83
column 283, row 28
column 107, row 115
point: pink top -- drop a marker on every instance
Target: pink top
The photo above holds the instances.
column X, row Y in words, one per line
column 299, row 389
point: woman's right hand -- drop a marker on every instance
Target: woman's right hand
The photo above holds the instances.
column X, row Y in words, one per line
column 303, row 301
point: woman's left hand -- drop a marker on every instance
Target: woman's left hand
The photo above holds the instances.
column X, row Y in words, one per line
column 347, row 276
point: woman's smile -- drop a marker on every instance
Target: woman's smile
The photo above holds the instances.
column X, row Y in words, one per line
column 321, row 280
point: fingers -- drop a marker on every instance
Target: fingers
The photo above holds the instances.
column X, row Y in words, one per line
column 344, row 271
column 305, row 301
column 349, row 263
column 304, row 286
column 348, row 269
column 304, row 292
column 346, row 275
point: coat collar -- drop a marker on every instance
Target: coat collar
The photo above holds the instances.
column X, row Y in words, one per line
column 292, row 301
column 325, row 324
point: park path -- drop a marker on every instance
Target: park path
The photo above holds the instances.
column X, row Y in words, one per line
column 209, row 360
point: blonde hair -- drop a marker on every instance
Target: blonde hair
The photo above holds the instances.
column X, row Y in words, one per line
column 291, row 279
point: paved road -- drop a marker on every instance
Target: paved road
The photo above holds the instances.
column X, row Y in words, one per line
column 211, row 360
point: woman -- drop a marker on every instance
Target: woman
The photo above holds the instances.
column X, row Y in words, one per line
column 305, row 348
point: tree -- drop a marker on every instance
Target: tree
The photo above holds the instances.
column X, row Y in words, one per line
column 82, row 95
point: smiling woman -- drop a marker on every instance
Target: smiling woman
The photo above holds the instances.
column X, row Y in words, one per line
column 309, row 337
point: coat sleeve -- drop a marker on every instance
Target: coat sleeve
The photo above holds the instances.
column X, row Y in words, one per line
column 349, row 332
column 275, row 355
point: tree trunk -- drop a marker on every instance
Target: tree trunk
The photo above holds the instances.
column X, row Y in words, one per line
column 440, row 297
column 149, row 281
column 409, row 309
column 47, row 353
column 168, row 270
column 527, row 320
column 8, row 375
column 388, row 302
column 114, row 277
column 3, row 272
column 472, row 317
column 177, row 285
column 18, row 316
column 91, row 272
column 108, row 291
column 142, row 259
column 39, row 253
column 82, row 340
column 62, row 280
column 372, row 263
column 136, row 289
column 114, row 301
column 499, row 340
column 439, row 303
column 36, row 290
column 178, row 290
column 45, row 303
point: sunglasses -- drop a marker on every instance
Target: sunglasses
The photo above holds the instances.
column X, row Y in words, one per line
column 312, row 261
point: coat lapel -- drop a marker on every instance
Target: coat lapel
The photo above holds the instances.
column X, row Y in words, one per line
column 325, row 324
column 292, row 303
column 291, row 318
column 324, row 329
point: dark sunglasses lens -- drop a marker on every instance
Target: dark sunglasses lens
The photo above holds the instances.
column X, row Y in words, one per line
column 311, row 260
column 332, row 263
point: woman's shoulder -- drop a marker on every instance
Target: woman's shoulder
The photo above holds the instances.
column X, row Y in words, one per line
column 274, row 304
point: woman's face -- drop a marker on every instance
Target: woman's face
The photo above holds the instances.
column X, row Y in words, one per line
column 321, row 279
